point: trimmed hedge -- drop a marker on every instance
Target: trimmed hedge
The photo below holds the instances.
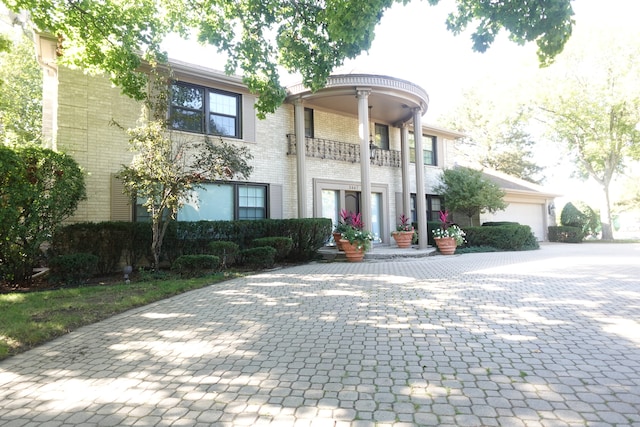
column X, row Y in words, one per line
column 73, row 269
column 565, row 234
column 259, row 257
column 226, row 251
column 195, row 265
column 115, row 243
column 503, row 237
column 282, row 245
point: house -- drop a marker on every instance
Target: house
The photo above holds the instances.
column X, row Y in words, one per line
column 317, row 154
column 528, row 203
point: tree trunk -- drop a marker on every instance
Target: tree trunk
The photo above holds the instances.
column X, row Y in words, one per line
column 607, row 228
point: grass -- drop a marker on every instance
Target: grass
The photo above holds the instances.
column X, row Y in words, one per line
column 33, row 318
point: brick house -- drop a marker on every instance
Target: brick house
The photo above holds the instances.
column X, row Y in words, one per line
column 317, row 154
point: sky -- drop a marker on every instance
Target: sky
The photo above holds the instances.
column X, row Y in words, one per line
column 412, row 43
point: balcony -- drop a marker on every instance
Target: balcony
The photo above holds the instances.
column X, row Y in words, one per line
column 342, row 151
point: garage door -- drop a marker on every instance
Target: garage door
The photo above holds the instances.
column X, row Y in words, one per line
column 523, row 213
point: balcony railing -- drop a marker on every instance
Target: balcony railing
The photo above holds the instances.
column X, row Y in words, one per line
column 342, row 151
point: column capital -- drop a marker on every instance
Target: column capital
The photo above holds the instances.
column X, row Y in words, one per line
column 363, row 92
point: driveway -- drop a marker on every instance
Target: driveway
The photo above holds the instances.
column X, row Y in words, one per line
column 541, row 338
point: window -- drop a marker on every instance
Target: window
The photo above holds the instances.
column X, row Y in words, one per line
column 382, row 136
column 219, row 202
column 204, row 110
column 308, row 123
column 434, row 206
column 429, row 156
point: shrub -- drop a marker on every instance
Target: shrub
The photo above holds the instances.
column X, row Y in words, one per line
column 72, row 269
column 502, row 237
column 581, row 216
column 565, row 234
column 498, row 223
column 259, row 257
column 195, row 265
column 282, row 245
column 226, row 251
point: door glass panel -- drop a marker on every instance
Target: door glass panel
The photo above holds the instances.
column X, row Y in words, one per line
column 376, row 216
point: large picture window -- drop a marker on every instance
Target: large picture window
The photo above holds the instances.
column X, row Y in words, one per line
column 226, row 201
column 429, row 155
column 205, row 110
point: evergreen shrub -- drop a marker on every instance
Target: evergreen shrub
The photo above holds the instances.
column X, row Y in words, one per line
column 282, row 245
column 195, row 265
column 502, row 237
column 565, row 234
column 259, row 257
column 72, row 269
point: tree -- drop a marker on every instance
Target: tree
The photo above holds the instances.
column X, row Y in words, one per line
column 466, row 191
column 593, row 109
column 310, row 37
column 41, row 188
column 496, row 136
column 20, row 94
column 168, row 165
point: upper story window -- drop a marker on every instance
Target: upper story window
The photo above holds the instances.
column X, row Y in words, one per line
column 308, row 123
column 205, row 110
column 429, row 155
column 382, row 136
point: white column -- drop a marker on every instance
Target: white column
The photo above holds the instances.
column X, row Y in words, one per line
column 421, row 208
column 365, row 178
column 301, row 153
column 404, row 164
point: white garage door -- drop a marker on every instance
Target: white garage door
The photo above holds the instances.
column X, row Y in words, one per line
column 523, row 213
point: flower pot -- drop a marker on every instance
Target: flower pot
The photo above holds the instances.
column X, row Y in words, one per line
column 446, row 245
column 351, row 252
column 403, row 238
column 337, row 237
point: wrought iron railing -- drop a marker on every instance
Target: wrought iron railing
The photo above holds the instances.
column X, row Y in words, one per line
column 342, row 151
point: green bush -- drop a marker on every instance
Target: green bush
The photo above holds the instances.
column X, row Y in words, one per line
column 195, row 265
column 565, row 234
column 282, row 245
column 498, row 223
column 72, row 269
column 259, row 257
column 502, row 237
column 40, row 188
column 226, row 251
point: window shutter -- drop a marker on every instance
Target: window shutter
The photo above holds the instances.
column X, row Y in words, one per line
column 275, row 201
column 120, row 203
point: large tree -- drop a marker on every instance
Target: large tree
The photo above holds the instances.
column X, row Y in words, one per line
column 497, row 136
column 311, row 37
column 592, row 107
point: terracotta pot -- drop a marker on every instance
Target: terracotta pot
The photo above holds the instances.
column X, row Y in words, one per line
column 337, row 237
column 446, row 245
column 403, row 238
column 351, row 252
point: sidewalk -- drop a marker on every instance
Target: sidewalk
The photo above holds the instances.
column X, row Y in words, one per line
column 538, row 338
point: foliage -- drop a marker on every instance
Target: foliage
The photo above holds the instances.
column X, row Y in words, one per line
column 497, row 136
column 566, row 234
column 466, row 191
column 282, row 245
column 448, row 229
column 405, row 224
column 581, row 216
column 73, row 269
column 259, row 257
column 503, row 237
column 354, row 231
column 195, row 265
column 45, row 190
column 167, row 166
column 226, row 251
column 258, row 37
column 20, row 94
column 592, row 108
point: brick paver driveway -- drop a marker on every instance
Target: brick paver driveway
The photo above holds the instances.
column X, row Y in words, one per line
column 540, row 338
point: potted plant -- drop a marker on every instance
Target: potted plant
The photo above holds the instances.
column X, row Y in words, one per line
column 403, row 235
column 448, row 236
column 344, row 223
column 355, row 240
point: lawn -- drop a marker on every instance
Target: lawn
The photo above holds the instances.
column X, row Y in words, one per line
column 28, row 319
